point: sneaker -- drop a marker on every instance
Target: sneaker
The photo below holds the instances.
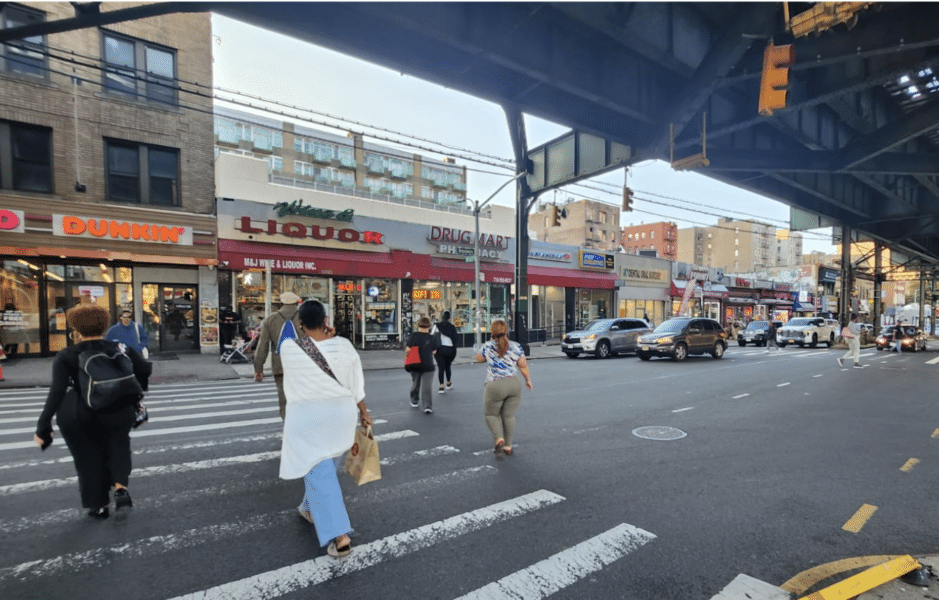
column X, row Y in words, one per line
column 428, row 411
column 858, row 366
column 441, row 391
column 99, row 513
column 449, row 386
column 122, row 499
column 840, row 362
column 414, row 404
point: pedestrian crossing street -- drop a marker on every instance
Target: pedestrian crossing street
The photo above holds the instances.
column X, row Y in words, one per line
column 221, row 440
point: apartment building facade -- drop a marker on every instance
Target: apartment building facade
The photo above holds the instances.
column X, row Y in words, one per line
column 106, row 178
column 739, row 246
column 586, row 223
column 662, row 237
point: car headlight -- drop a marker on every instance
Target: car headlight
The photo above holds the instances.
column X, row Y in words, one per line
column 664, row 340
column 592, row 336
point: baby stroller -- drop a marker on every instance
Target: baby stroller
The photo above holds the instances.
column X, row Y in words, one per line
column 241, row 349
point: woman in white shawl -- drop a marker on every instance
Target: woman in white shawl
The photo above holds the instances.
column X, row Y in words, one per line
column 325, row 391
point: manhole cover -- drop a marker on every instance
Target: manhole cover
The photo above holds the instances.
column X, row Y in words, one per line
column 658, row 432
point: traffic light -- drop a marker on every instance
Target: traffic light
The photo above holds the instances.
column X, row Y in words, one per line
column 775, row 77
column 555, row 216
column 627, row 199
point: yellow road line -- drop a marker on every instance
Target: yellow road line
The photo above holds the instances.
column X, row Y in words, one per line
column 867, row 580
column 935, row 434
column 908, row 465
column 860, row 518
column 811, row 577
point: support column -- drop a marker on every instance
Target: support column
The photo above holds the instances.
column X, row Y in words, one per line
column 844, row 302
column 922, row 300
column 524, row 201
column 878, row 286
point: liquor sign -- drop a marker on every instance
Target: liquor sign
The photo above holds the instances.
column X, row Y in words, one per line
column 12, row 221
column 113, row 229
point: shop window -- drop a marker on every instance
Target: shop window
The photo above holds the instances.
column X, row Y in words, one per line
column 25, row 56
column 141, row 173
column 19, row 294
column 138, row 69
column 25, row 157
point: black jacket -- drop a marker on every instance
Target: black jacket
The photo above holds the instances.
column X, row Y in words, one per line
column 426, row 345
column 65, row 375
column 446, row 328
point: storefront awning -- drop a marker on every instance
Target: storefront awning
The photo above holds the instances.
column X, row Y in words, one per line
column 239, row 256
column 444, row 269
column 804, row 307
column 739, row 300
column 572, row 278
column 716, row 290
column 776, row 302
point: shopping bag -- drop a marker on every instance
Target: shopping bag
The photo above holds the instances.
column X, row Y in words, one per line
column 363, row 463
column 846, row 333
column 412, row 359
column 142, row 415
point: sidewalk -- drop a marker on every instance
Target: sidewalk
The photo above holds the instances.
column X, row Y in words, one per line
column 175, row 368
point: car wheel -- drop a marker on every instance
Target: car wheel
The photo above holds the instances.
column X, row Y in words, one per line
column 814, row 343
column 681, row 352
column 742, row 343
column 644, row 356
column 603, row 349
column 718, row 350
column 572, row 354
column 879, row 348
column 831, row 340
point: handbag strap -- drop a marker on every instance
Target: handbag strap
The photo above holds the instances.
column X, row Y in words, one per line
column 309, row 346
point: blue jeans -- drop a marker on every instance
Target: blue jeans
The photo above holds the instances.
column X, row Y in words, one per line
column 323, row 500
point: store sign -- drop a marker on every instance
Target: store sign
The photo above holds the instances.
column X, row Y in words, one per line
column 296, row 208
column 280, row 264
column 316, row 232
column 741, row 282
column 12, row 221
column 827, row 275
column 500, row 279
column 112, row 229
column 449, row 235
column 644, row 274
column 548, row 255
column 595, row 260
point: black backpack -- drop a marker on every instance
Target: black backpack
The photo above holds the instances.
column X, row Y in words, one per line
column 106, row 376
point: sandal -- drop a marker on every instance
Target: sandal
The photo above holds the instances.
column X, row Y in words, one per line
column 499, row 445
column 507, row 450
column 339, row 551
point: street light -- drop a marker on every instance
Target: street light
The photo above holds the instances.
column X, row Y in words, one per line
column 477, row 206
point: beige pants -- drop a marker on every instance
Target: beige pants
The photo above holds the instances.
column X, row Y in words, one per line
column 500, row 402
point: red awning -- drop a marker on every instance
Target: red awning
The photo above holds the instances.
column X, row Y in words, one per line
column 571, row 278
column 238, row 255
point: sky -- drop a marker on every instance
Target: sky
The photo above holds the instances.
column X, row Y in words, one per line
column 253, row 61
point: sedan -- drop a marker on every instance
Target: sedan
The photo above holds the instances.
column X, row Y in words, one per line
column 605, row 337
column 755, row 333
column 913, row 338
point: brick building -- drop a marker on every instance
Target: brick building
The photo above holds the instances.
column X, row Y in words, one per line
column 106, row 177
column 661, row 237
column 587, row 224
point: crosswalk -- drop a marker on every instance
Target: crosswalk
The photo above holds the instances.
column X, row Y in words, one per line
column 211, row 446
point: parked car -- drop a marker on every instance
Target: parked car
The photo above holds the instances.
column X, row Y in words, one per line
column 914, row 339
column 808, row 330
column 682, row 336
column 605, row 337
column 754, row 333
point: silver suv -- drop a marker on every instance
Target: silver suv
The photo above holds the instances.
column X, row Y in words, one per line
column 605, row 337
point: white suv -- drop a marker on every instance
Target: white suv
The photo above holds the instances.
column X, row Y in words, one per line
column 808, row 330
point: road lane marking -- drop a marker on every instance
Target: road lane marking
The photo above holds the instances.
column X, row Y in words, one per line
column 739, row 396
column 429, row 453
column 908, row 465
column 782, row 384
column 304, row 574
column 819, row 375
column 683, row 409
column 935, row 434
column 860, row 518
column 869, row 579
column 566, row 567
column 933, row 361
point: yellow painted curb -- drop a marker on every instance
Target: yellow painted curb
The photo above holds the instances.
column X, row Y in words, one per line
column 876, row 576
column 811, row 577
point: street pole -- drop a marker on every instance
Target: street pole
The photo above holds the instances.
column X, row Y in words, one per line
column 478, row 207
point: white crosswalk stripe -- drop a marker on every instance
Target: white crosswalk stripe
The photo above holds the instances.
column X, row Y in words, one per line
column 228, row 437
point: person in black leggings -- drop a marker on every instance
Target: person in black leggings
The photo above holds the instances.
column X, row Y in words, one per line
column 446, row 336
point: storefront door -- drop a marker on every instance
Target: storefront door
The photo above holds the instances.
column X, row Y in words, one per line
column 348, row 310
column 170, row 315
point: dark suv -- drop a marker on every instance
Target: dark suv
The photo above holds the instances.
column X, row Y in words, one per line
column 755, row 333
column 682, row 336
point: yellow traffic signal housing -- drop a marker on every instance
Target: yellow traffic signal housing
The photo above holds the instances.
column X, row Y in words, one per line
column 627, row 199
column 775, row 77
column 555, row 217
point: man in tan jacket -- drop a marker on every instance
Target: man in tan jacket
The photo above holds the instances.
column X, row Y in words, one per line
column 271, row 330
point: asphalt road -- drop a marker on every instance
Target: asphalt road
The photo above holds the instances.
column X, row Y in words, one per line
column 779, row 453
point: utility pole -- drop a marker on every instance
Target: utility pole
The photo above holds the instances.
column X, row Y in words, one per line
column 524, row 201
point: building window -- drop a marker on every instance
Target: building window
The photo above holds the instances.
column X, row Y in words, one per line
column 26, row 56
column 276, row 164
column 138, row 69
column 643, row 235
column 25, row 157
column 141, row 173
column 652, row 235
